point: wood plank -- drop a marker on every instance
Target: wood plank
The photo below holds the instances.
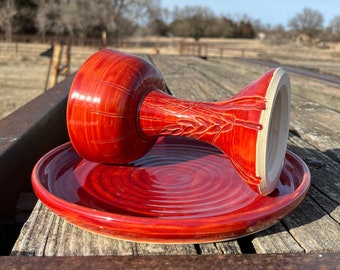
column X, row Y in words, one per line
column 186, row 82
column 25, row 136
column 45, row 234
column 327, row 204
column 319, row 91
column 224, row 247
column 315, row 223
column 25, row 206
column 315, row 123
column 318, row 87
column 324, row 170
column 277, row 238
column 319, row 231
column 57, row 237
column 321, row 209
column 194, row 86
column 250, row 261
column 281, row 242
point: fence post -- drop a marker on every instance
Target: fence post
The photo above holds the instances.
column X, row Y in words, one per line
column 181, row 47
column 104, row 39
column 66, row 68
column 16, row 49
column 54, row 66
column 55, row 69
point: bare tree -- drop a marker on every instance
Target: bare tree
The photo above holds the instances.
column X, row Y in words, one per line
column 158, row 20
column 47, row 17
column 192, row 21
column 308, row 22
column 67, row 17
column 335, row 25
column 85, row 18
column 245, row 30
column 125, row 15
column 7, row 11
column 82, row 15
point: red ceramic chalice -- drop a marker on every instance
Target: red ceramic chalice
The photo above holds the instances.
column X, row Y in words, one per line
column 117, row 109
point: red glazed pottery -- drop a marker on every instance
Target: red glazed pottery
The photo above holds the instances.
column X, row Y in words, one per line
column 117, row 109
column 181, row 191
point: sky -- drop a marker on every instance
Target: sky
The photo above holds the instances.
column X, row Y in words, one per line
column 271, row 12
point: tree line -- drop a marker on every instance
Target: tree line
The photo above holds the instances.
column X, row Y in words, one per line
column 121, row 18
column 76, row 18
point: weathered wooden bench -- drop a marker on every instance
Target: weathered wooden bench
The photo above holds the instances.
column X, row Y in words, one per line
column 310, row 235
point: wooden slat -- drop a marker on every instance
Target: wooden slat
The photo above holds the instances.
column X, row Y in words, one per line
column 254, row 261
column 303, row 231
column 319, row 231
column 179, row 87
column 194, row 86
column 308, row 85
column 25, row 136
column 184, row 81
column 315, row 223
column 324, row 170
column 45, row 234
column 319, row 91
column 328, row 205
column 277, row 238
column 224, row 247
column 99, row 245
column 315, row 123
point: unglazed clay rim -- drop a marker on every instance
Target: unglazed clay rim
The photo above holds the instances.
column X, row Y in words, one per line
column 278, row 94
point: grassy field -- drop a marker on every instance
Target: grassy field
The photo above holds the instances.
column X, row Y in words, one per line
column 23, row 72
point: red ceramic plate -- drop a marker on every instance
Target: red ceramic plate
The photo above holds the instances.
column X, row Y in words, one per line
column 182, row 191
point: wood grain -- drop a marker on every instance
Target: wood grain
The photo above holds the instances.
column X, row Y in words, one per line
column 313, row 227
column 250, row 261
column 25, row 136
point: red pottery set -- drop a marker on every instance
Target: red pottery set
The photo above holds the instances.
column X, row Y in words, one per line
column 145, row 166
